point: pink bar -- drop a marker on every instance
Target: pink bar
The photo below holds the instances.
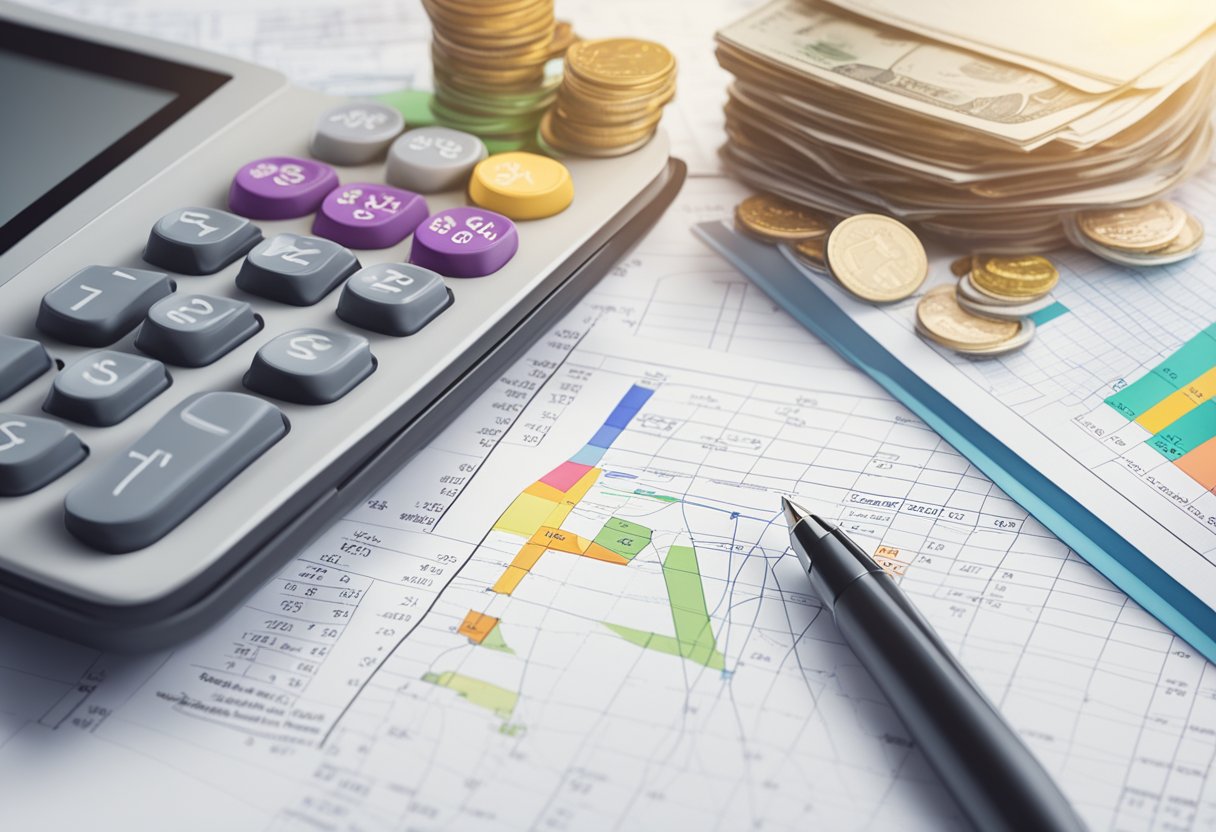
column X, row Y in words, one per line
column 564, row 476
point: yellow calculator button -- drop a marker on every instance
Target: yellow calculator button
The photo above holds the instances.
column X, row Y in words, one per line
column 522, row 186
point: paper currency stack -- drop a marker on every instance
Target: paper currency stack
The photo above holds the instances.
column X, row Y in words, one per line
column 990, row 124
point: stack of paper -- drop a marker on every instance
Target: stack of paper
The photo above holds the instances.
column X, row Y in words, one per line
column 988, row 124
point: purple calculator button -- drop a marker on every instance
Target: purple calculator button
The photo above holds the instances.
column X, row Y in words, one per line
column 464, row 242
column 280, row 187
column 364, row 215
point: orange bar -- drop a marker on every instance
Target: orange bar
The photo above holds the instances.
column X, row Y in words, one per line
column 599, row 552
column 1200, row 464
column 560, row 541
column 524, row 560
column 477, row 625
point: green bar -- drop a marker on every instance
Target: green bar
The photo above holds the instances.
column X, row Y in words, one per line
column 688, row 610
column 623, row 537
column 694, row 639
column 1190, row 361
column 1188, row 432
column 1140, row 395
column 483, row 694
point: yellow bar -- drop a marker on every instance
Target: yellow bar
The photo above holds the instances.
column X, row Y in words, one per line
column 1179, row 403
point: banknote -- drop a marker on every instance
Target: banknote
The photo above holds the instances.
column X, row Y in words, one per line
column 1095, row 47
column 934, row 79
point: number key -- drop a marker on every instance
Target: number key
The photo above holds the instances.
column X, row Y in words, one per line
column 100, row 304
column 310, row 366
column 21, row 361
column 105, row 387
column 294, row 269
column 393, row 298
column 194, row 330
column 136, row 498
column 199, row 240
column 33, row 452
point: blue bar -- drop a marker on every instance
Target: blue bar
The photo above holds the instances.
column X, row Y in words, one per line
column 604, row 437
column 628, row 407
column 589, row 455
column 1049, row 313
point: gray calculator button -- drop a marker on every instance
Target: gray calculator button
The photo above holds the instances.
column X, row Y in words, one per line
column 199, row 240
column 310, row 366
column 137, row 497
column 193, row 330
column 295, row 269
column 100, row 304
column 393, row 298
column 33, row 452
column 431, row 159
column 105, row 387
column 21, row 361
column 355, row 133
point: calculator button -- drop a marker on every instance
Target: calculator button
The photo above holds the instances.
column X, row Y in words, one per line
column 136, row 498
column 105, row 387
column 294, row 269
column 280, row 187
column 431, row 159
column 99, row 304
column 310, row 366
column 21, row 361
column 193, row 330
column 365, row 215
column 355, row 133
column 393, row 298
column 199, row 240
column 522, row 186
column 33, row 452
column 464, row 242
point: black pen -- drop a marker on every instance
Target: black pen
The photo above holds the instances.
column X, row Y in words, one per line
column 990, row 772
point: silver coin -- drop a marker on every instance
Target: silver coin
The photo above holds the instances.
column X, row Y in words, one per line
column 1003, row 311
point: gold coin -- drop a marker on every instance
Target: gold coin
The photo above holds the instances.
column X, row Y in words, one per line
column 961, row 266
column 561, row 145
column 1015, row 277
column 563, row 38
column 1143, row 228
column 877, row 258
column 776, row 220
column 939, row 316
column 1187, row 240
column 811, row 252
column 627, row 62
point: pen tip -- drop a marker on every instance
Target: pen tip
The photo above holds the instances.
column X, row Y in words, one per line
column 793, row 511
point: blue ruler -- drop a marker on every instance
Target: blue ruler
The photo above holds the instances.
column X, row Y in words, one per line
column 1123, row 564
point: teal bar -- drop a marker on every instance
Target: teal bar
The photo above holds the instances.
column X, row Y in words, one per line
column 1049, row 313
column 1188, row 432
column 1140, row 395
column 1190, row 361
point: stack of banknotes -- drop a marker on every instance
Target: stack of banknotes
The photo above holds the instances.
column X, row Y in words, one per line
column 989, row 123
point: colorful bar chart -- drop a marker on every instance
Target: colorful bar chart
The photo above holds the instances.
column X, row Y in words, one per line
column 538, row 513
column 1176, row 403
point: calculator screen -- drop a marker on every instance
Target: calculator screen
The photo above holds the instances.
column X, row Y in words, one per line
column 71, row 110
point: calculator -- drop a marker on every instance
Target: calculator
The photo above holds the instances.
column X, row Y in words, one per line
column 230, row 307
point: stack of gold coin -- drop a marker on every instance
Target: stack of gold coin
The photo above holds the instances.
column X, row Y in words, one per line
column 611, row 97
column 1156, row 234
column 941, row 319
column 1005, row 288
column 490, row 61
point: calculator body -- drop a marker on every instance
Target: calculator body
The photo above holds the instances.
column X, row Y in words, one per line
column 332, row 454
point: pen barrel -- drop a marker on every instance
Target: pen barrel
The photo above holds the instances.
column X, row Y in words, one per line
column 993, row 776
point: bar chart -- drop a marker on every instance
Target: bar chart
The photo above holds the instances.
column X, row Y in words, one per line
column 1175, row 404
